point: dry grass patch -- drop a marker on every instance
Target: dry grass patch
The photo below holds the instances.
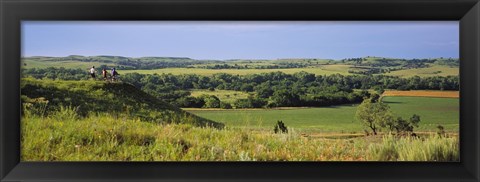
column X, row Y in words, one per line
column 423, row 93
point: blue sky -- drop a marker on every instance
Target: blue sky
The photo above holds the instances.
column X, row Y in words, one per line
column 242, row 39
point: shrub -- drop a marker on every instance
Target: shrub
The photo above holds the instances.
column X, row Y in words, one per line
column 402, row 126
column 440, row 131
column 280, row 127
column 225, row 105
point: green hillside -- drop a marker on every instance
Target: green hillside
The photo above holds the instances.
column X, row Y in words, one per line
column 180, row 65
column 96, row 97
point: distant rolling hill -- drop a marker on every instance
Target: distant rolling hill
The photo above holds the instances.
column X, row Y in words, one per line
column 149, row 65
column 96, row 97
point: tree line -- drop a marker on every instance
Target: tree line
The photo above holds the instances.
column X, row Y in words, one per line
column 274, row 89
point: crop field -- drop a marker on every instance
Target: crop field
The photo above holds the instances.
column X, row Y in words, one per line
column 228, row 96
column 434, row 70
column 433, row 111
column 423, row 93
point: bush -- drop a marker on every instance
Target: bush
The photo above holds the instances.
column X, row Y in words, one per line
column 440, row 131
column 211, row 101
column 250, row 102
column 280, row 127
column 225, row 105
column 402, row 126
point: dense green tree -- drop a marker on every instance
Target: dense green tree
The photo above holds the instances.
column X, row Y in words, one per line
column 211, row 101
column 281, row 98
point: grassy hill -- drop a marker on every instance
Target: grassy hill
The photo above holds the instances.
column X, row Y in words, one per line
column 95, row 97
column 180, row 65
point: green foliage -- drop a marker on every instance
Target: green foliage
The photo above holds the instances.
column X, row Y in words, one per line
column 402, row 126
column 195, row 102
column 277, row 88
column 211, row 101
column 225, row 105
column 250, row 102
column 285, row 98
column 379, row 90
column 374, row 115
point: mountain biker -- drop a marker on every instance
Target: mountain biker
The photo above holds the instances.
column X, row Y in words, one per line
column 104, row 73
column 114, row 74
column 92, row 72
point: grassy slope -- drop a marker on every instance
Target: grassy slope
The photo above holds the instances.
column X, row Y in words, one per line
column 100, row 97
column 433, row 111
column 102, row 138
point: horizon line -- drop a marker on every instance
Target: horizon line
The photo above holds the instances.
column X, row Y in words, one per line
column 441, row 57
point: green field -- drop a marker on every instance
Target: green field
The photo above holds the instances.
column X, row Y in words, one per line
column 434, row 70
column 433, row 111
column 228, row 96
column 103, row 121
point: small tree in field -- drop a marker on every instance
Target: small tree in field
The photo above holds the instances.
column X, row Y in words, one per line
column 374, row 115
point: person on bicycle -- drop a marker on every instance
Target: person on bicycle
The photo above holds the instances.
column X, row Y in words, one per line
column 114, row 74
column 104, row 74
column 92, row 72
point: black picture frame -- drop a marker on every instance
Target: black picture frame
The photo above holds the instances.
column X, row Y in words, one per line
column 12, row 12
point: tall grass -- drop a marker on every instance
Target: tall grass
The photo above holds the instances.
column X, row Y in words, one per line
column 102, row 137
column 430, row 148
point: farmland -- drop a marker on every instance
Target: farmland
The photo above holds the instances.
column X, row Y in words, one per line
column 177, row 66
column 423, row 93
column 318, row 70
column 339, row 119
column 181, row 109
column 434, row 70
